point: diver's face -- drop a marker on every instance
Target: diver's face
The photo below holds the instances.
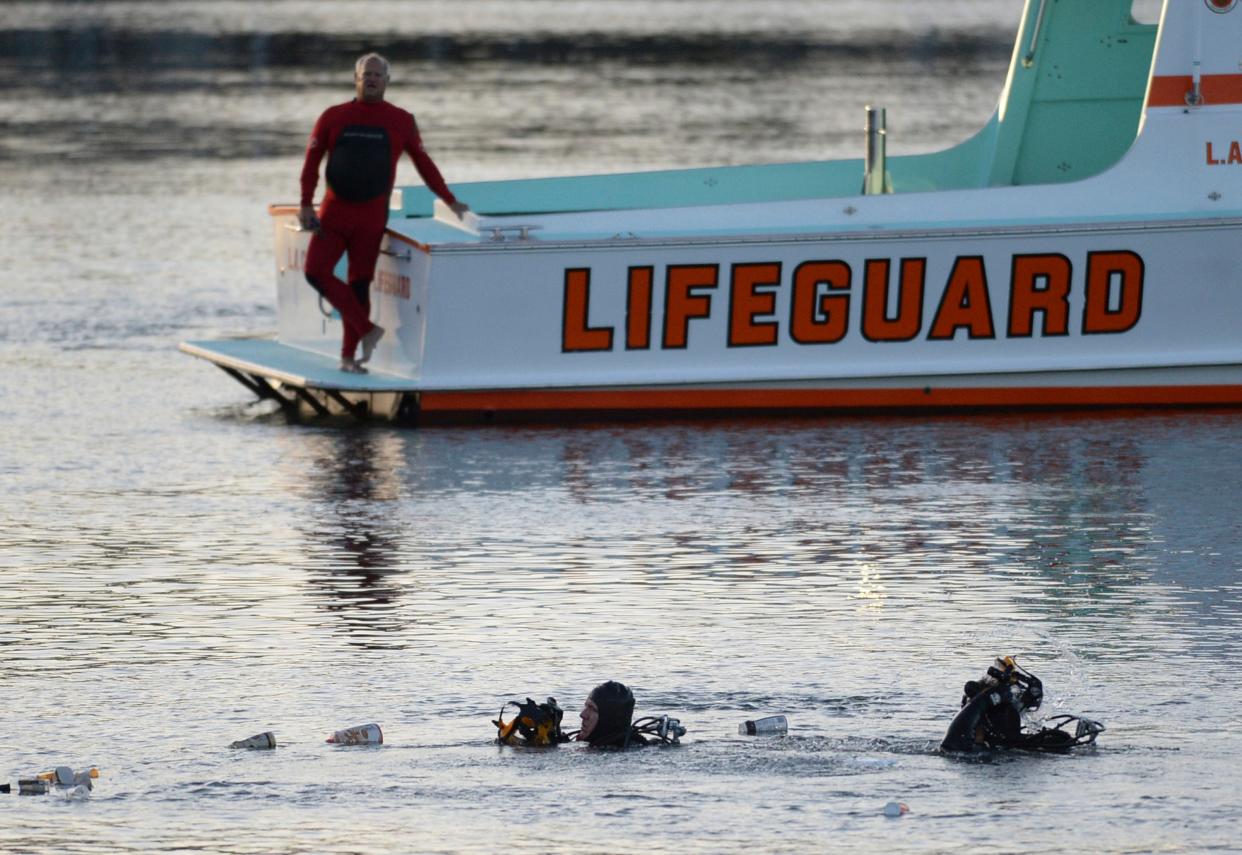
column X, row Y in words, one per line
column 590, row 718
column 371, row 81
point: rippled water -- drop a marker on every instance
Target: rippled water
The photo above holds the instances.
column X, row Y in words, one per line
column 182, row 568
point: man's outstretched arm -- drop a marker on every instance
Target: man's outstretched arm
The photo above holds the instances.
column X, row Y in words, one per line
column 430, row 174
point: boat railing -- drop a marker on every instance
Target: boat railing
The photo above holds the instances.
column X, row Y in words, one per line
column 521, row 230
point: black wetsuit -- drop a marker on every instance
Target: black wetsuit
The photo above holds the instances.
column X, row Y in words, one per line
column 363, row 142
column 991, row 718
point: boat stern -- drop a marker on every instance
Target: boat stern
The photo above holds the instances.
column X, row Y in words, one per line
column 399, row 291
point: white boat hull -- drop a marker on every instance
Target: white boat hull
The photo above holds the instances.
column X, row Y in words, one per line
column 1118, row 314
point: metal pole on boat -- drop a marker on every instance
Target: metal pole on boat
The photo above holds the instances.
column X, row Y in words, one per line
column 875, row 167
column 1029, row 59
column 1194, row 98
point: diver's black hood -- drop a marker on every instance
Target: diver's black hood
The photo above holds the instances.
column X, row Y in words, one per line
column 616, row 712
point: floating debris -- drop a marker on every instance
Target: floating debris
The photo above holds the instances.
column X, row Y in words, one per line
column 773, row 725
column 259, row 742
column 363, row 734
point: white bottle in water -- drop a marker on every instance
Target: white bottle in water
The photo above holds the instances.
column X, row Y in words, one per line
column 363, row 734
column 260, row 742
column 773, row 725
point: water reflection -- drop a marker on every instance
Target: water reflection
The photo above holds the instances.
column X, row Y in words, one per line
column 1058, row 512
column 354, row 482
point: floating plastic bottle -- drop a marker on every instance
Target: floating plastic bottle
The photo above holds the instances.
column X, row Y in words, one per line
column 31, row 787
column 363, row 734
column 259, row 742
column 896, row 809
column 773, row 725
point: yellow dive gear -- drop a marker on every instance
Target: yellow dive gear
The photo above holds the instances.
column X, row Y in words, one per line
column 533, row 724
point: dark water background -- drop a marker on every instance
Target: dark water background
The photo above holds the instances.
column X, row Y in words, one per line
column 181, row 568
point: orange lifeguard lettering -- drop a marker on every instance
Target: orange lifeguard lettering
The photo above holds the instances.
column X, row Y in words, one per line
column 1211, row 161
column 1103, row 268
column 576, row 336
column 877, row 325
column 965, row 303
column 681, row 303
column 747, row 301
column 638, row 308
column 1235, row 152
column 1027, row 296
column 817, row 317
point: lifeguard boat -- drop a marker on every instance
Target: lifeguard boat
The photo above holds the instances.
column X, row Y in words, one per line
column 1084, row 249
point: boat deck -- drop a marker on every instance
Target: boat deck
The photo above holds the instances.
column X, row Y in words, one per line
column 289, row 375
column 1062, row 119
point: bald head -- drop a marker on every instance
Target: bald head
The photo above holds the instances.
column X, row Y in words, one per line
column 370, row 77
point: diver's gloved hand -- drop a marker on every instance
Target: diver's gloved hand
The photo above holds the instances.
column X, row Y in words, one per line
column 1033, row 694
column 969, row 691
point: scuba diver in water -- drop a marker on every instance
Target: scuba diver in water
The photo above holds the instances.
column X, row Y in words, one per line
column 607, row 722
column 991, row 715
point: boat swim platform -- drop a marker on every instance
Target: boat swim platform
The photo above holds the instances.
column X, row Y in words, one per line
column 297, row 378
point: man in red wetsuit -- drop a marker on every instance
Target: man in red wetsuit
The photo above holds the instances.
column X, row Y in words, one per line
column 363, row 140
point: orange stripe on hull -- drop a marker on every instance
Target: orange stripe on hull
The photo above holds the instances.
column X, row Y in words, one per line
column 649, row 401
column 1215, row 88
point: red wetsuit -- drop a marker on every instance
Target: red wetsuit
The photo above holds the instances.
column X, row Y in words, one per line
column 364, row 142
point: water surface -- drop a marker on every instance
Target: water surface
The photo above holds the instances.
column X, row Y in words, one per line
column 182, row 568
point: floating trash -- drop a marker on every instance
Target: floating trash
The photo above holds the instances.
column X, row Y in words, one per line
column 363, row 734
column 259, row 742
column 896, row 809
column 62, row 777
column 31, row 787
column 773, row 725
